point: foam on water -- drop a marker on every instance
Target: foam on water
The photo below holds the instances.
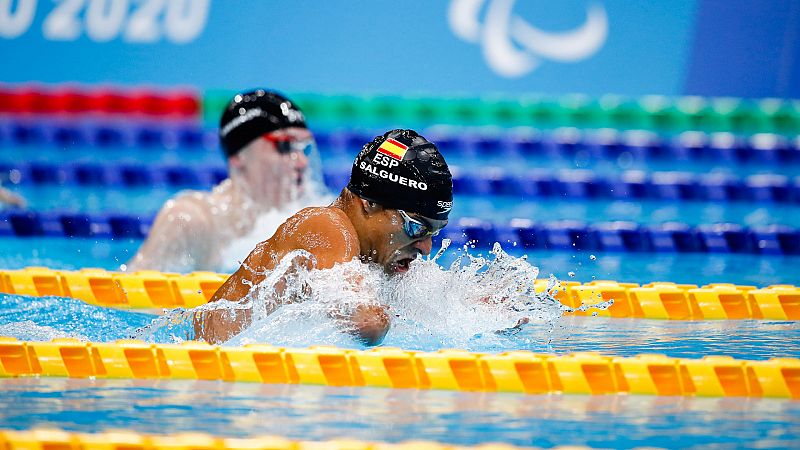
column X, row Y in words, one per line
column 30, row 331
column 478, row 302
column 46, row 318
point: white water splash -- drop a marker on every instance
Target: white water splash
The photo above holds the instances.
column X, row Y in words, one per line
column 314, row 304
column 475, row 298
column 29, row 331
column 477, row 301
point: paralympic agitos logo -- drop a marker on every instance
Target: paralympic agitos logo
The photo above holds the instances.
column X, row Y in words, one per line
column 513, row 47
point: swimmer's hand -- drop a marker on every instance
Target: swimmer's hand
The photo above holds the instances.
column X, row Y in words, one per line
column 512, row 330
column 515, row 329
column 371, row 323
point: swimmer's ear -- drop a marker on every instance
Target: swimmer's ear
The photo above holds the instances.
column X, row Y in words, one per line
column 370, row 207
column 235, row 161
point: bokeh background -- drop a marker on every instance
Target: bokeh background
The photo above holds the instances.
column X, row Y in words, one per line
column 633, row 141
column 639, row 130
column 741, row 48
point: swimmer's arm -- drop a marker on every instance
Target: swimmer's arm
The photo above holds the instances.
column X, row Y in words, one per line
column 336, row 242
column 216, row 326
column 329, row 239
column 250, row 273
column 178, row 235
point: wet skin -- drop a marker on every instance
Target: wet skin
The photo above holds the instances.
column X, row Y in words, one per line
column 271, row 177
column 192, row 228
column 350, row 228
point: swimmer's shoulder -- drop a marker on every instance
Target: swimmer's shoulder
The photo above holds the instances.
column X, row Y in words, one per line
column 189, row 208
column 188, row 201
column 324, row 215
column 322, row 218
column 326, row 232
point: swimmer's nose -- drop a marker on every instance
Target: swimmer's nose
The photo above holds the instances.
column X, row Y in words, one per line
column 300, row 161
column 424, row 245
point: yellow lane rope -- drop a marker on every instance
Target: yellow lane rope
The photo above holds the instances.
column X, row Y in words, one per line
column 516, row 371
column 49, row 439
column 659, row 300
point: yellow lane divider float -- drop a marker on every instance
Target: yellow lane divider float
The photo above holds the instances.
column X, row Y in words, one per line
column 143, row 289
column 660, row 300
column 46, row 439
column 516, row 371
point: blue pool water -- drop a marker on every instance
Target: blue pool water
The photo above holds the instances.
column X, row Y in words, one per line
column 317, row 413
column 310, row 412
column 341, row 156
column 693, row 268
column 147, row 200
column 40, row 319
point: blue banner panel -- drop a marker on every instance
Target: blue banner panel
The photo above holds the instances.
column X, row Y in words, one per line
column 747, row 48
column 460, row 46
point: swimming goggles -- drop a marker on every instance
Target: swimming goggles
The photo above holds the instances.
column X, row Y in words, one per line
column 416, row 229
column 289, row 144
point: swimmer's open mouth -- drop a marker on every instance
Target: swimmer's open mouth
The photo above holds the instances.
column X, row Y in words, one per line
column 401, row 265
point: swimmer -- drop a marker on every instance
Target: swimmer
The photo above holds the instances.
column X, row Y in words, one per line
column 399, row 195
column 265, row 139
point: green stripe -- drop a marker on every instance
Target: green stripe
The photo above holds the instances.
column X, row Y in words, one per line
column 656, row 113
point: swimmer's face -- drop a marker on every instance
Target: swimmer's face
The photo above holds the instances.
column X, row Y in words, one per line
column 273, row 166
column 395, row 247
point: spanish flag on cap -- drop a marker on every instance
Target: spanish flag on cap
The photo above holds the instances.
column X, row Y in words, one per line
column 393, row 149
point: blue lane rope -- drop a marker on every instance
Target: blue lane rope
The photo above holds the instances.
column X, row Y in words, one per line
column 148, row 135
column 556, row 235
column 579, row 184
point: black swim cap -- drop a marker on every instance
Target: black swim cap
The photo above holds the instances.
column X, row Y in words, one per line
column 252, row 114
column 403, row 170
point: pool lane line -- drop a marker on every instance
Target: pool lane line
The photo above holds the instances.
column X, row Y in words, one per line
column 62, row 100
column 657, row 300
column 565, row 235
column 514, row 371
column 628, row 185
column 528, row 140
column 656, row 112
column 48, row 438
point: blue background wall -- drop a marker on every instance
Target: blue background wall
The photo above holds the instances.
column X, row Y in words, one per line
column 707, row 47
column 746, row 47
